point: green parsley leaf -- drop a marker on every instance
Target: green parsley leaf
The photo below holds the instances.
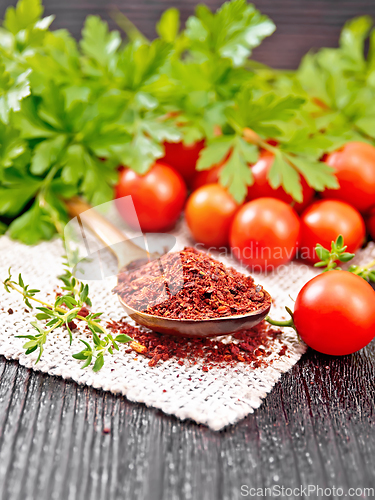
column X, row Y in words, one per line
column 232, row 32
column 11, row 146
column 29, row 123
column 12, row 91
column 24, row 15
column 73, row 164
column 261, row 113
column 353, row 36
column 140, row 153
column 46, row 153
column 236, row 174
column 32, row 226
column 14, row 195
column 318, row 175
column 97, row 42
column 169, row 25
column 139, row 63
column 249, row 152
column 214, row 153
column 93, row 188
column 283, row 174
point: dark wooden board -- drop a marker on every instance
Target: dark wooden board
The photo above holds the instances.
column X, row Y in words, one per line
column 301, row 24
column 316, row 427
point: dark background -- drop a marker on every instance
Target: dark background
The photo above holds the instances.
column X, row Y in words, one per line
column 62, row 441
column 301, row 24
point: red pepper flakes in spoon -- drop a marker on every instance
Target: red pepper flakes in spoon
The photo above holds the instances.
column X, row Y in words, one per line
column 190, row 285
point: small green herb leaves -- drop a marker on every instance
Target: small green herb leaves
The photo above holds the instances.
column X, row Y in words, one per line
column 367, row 272
column 329, row 258
column 67, row 308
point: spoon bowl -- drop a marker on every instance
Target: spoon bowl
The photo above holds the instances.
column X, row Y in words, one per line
column 211, row 327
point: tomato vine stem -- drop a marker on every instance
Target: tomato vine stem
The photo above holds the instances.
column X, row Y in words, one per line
column 274, row 322
column 283, row 323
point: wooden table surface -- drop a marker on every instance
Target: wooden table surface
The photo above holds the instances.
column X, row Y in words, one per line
column 62, row 441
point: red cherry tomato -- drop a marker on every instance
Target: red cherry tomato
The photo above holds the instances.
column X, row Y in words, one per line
column 354, row 165
column 334, row 313
column 158, row 196
column 323, row 221
column 183, row 157
column 261, row 187
column 206, row 177
column 209, row 213
column 370, row 223
column 265, row 233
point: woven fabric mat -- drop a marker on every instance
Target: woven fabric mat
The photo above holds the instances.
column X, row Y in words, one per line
column 216, row 398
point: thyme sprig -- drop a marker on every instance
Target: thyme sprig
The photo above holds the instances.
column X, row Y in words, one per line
column 69, row 306
column 365, row 272
column 329, row 258
column 338, row 253
column 329, row 262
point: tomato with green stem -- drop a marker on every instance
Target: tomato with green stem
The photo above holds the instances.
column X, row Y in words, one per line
column 334, row 313
column 209, row 213
column 354, row 165
column 323, row 221
column 265, row 233
column 158, row 197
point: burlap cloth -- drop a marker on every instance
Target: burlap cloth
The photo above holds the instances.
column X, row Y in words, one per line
column 215, row 398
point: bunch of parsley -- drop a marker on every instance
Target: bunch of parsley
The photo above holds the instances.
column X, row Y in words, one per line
column 71, row 112
column 337, row 85
column 218, row 88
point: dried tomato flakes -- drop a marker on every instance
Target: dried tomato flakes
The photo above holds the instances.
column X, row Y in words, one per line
column 252, row 347
column 190, row 285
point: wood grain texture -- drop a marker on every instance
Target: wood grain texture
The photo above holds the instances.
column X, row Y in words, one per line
column 62, row 441
column 316, row 427
column 301, row 24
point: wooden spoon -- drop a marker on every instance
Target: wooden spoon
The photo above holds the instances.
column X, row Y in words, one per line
column 128, row 254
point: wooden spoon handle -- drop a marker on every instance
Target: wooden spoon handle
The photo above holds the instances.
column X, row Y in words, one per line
column 123, row 248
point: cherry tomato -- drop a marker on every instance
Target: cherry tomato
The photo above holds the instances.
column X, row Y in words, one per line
column 323, row 221
column 265, row 233
column 209, row 213
column 261, row 187
column 183, row 157
column 206, row 177
column 158, row 196
column 370, row 222
column 354, row 165
column 334, row 313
